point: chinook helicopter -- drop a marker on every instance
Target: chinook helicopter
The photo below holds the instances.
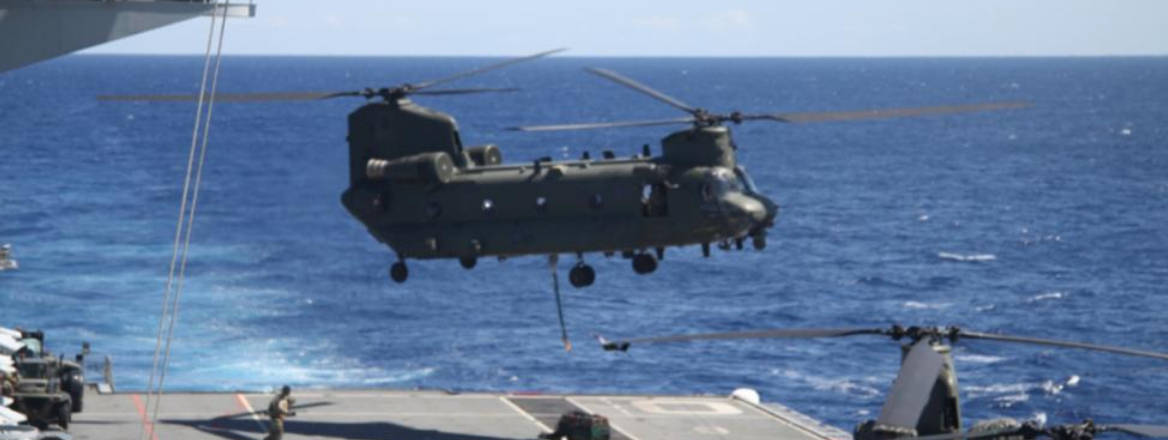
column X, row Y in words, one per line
column 417, row 188
column 923, row 403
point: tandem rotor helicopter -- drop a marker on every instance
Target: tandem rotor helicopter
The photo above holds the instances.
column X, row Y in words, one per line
column 923, row 402
column 420, row 190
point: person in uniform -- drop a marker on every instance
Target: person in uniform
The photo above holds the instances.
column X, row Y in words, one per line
column 278, row 409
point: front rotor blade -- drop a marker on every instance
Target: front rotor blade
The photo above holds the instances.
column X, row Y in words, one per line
column 793, row 333
column 1154, row 431
column 465, row 91
column 910, row 393
column 591, row 125
column 805, row 117
column 643, row 89
column 486, row 68
column 1057, row 343
column 234, row 97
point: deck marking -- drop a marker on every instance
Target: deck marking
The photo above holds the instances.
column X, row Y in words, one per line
column 519, row 410
column 142, row 413
column 611, row 424
column 247, row 407
column 617, row 406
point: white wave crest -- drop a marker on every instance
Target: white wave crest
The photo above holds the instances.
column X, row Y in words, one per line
column 979, row 358
column 951, row 256
column 1046, row 296
column 921, row 305
column 839, row 385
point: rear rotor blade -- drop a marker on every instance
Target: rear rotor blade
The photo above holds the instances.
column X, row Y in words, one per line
column 805, row 117
column 591, row 125
column 234, row 97
column 795, row 333
column 465, row 91
column 486, row 68
column 1153, row 431
column 910, row 393
column 644, row 89
column 1057, row 343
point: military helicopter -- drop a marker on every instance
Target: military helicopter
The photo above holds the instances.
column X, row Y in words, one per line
column 923, row 402
column 418, row 189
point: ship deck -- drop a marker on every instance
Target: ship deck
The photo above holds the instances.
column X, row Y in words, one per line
column 436, row 415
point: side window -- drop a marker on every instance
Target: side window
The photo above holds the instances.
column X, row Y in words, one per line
column 654, row 200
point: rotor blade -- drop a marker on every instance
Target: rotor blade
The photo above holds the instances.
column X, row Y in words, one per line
column 591, row 125
column 234, row 97
column 910, row 393
column 793, row 333
column 552, row 260
column 486, row 68
column 465, row 91
column 643, row 89
column 1154, row 431
column 1057, row 343
column 970, row 435
column 805, row 117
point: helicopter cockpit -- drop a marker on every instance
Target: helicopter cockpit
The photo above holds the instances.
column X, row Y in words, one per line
column 721, row 181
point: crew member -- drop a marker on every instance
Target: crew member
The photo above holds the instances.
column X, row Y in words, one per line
column 280, row 407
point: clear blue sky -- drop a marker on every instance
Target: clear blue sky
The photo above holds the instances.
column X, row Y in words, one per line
column 681, row 28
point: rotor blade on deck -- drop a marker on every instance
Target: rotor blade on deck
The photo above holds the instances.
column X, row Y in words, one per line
column 969, row 435
column 1154, row 431
column 804, row 117
column 793, row 333
column 643, row 89
column 486, row 68
column 1057, row 343
column 910, row 393
column 591, row 125
column 465, row 91
column 233, row 97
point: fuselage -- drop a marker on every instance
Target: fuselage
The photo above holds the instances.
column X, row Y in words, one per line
column 424, row 204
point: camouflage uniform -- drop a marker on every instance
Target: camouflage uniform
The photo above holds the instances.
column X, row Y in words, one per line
column 278, row 409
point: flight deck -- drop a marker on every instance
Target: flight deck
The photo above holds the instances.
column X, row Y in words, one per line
column 437, row 415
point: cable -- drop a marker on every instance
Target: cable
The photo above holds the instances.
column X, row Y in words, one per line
column 174, row 284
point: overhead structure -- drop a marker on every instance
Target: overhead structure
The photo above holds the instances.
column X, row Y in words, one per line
column 37, row 30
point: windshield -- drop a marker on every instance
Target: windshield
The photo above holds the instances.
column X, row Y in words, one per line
column 745, row 179
column 33, row 344
column 721, row 181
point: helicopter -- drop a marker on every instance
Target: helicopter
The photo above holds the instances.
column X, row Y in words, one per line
column 923, row 403
column 418, row 189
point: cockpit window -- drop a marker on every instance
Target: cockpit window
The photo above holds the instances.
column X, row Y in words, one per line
column 721, row 181
column 747, row 182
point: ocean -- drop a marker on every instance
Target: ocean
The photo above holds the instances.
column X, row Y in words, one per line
column 1048, row 221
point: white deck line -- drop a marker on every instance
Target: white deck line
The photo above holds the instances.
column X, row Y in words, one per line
column 523, row 413
column 610, row 422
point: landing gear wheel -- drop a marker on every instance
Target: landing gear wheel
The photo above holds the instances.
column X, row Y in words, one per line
column 399, row 272
column 644, row 263
column 468, row 262
column 581, row 275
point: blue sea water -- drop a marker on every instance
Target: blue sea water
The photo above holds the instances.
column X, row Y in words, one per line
column 1051, row 221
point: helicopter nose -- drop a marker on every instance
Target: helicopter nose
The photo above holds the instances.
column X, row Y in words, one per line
column 772, row 210
column 749, row 209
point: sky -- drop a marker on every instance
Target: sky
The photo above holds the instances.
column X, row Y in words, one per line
column 680, row 28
